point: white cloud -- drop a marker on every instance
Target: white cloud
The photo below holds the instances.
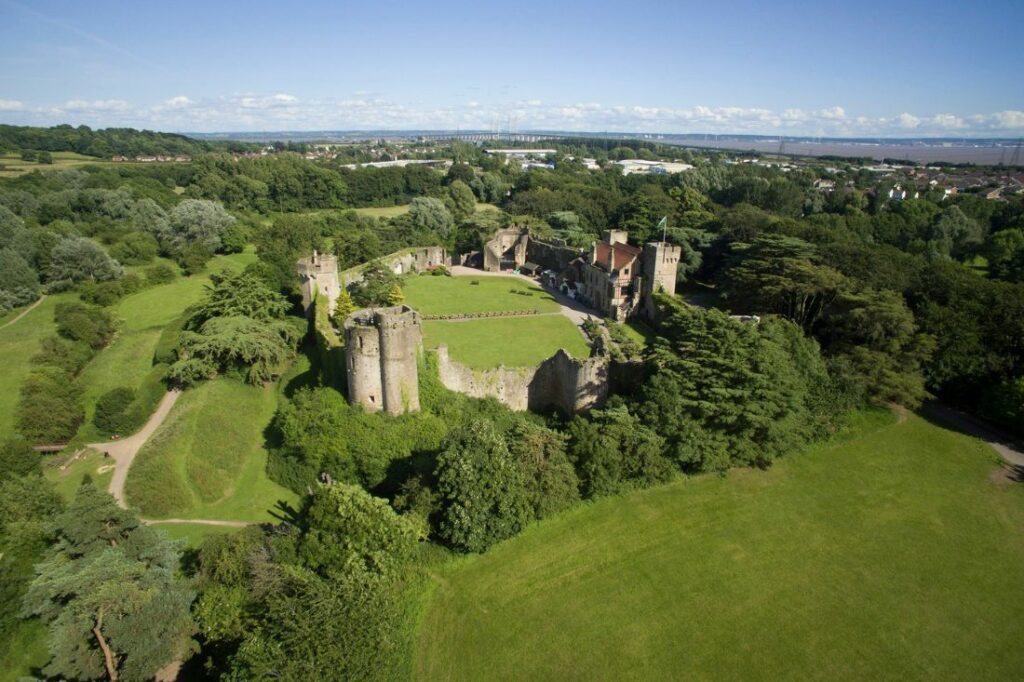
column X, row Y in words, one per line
column 283, row 111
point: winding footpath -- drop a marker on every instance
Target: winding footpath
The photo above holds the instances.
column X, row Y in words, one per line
column 123, row 453
column 1011, row 452
column 24, row 312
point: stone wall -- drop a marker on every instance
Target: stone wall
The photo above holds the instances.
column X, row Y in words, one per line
column 551, row 255
column 561, row 382
column 419, row 259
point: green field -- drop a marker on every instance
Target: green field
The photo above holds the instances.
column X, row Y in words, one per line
column 392, row 211
column 509, row 341
column 128, row 360
column 454, row 295
column 11, row 165
column 889, row 554
column 91, row 463
column 207, row 460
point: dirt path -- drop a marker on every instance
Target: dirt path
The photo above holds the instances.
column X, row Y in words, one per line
column 1011, row 452
column 123, row 451
column 24, row 312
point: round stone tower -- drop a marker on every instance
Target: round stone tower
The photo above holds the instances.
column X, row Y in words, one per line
column 382, row 347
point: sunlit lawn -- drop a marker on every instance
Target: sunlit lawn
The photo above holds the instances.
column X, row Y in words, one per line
column 441, row 295
column 509, row 341
column 888, row 556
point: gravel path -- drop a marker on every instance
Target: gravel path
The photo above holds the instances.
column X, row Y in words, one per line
column 1011, row 452
column 123, row 451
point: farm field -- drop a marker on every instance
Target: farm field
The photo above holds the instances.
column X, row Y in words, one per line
column 455, row 295
column 207, row 460
column 13, row 166
column 888, row 553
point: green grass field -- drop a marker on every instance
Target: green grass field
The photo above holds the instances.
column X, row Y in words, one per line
column 207, row 460
column 128, row 360
column 511, row 341
column 453, row 295
column 487, row 343
column 889, row 554
column 392, row 211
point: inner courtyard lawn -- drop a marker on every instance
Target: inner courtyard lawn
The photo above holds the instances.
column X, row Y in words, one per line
column 509, row 341
column 207, row 460
column 887, row 554
column 432, row 295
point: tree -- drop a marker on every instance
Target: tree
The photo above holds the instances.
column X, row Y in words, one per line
column 241, row 293
column 49, row 410
column 462, row 203
column 259, row 349
column 1005, row 253
column 77, row 259
column 135, row 248
column 17, row 279
column 613, row 450
column 431, row 215
column 551, row 481
column 112, row 413
column 199, row 222
column 395, row 295
column 723, row 392
column 376, row 286
column 109, row 595
column 780, row 274
column 481, row 488
column 346, row 530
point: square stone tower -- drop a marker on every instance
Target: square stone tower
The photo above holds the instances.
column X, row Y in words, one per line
column 660, row 264
column 319, row 276
column 382, row 347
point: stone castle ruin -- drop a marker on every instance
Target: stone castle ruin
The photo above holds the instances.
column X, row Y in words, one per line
column 382, row 349
column 318, row 275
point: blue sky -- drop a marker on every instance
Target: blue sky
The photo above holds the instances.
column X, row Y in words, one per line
column 822, row 68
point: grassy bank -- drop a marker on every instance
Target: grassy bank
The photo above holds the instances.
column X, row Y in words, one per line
column 888, row 555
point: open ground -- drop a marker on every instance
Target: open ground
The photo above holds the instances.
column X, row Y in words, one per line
column 885, row 554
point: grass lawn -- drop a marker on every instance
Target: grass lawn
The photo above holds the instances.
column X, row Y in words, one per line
column 889, row 554
column 207, row 459
column 193, row 533
column 128, row 360
column 92, row 463
column 432, row 295
column 19, row 342
column 511, row 341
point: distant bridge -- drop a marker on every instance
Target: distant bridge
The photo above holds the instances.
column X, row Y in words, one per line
column 480, row 136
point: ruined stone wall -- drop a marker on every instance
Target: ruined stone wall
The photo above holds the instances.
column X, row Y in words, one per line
column 551, row 255
column 561, row 381
column 381, row 351
column 419, row 259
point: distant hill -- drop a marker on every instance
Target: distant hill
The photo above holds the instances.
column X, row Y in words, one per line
column 109, row 142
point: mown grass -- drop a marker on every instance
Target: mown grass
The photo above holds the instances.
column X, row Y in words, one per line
column 432, row 295
column 193, row 533
column 889, row 554
column 509, row 341
column 207, row 459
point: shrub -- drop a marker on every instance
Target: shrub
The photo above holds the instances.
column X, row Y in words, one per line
column 160, row 274
column 78, row 322
column 113, row 411
column 50, row 409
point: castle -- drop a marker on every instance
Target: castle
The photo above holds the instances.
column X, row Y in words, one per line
column 615, row 278
column 318, row 275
